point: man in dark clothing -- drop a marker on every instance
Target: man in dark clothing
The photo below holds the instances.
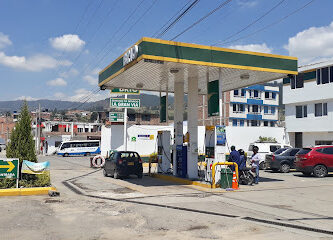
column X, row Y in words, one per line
column 234, row 157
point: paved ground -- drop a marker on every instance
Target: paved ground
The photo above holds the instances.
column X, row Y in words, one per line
column 92, row 206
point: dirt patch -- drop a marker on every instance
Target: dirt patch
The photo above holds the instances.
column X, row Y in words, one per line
column 53, row 200
column 123, row 190
column 198, row 227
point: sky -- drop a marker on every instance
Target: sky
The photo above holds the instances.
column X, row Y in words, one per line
column 54, row 49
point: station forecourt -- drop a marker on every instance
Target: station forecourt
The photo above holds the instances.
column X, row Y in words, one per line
column 182, row 68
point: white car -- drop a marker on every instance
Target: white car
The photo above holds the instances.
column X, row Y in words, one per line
column 264, row 149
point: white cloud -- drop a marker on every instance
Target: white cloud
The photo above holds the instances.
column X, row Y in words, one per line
column 92, row 78
column 4, row 40
column 57, row 82
column 312, row 45
column 27, row 98
column 253, row 48
column 68, row 43
column 71, row 73
column 247, row 4
column 35, row 63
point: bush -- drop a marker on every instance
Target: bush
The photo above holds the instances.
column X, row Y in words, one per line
column 28, row 180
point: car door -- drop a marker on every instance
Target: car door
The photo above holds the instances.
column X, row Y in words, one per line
column 328, row 159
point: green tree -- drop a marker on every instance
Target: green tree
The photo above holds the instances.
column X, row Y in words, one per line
column 21, row 143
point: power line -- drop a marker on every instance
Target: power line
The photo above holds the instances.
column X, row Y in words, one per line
column 178, row 18
column 177, row 13
column 270, row 25
column 253, row 22
column 203, row 18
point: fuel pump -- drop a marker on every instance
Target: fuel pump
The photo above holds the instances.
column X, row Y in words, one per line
column 163, row 151
column 215, row 148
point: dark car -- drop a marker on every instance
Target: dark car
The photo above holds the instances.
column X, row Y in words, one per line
column 282, row 162
column 317, row 161
column 123, row 163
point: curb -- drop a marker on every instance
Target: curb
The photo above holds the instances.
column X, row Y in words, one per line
column 26, row 191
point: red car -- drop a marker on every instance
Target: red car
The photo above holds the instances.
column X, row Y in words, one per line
column 316, row 160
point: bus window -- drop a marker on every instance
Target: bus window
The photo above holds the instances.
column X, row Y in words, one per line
column 65, row 145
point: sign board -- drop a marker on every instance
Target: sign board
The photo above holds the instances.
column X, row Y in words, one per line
column 35, row 168
column 146, row 137
column 133, row 139
column 125, row 91
column 9, row 168
column 124, row 103
column 213, row 98
column 130, row 55
column 220, row 135
column 116, row 116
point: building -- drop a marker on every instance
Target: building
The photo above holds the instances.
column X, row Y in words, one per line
column 7, row 124
column 254, row 106
column 308, row 99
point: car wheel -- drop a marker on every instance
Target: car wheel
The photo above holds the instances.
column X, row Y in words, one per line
column 65, row 155
column 250, row 179
column 105, row 173
column 262, row 166
column 140, row 175
column 116, row 174
column 320, row 171
column 285, row 168
column 306, row 174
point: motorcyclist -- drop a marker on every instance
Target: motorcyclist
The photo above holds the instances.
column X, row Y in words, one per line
column 234, row 157
column 242, row 161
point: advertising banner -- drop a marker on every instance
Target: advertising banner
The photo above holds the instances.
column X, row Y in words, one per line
column 220, row 135
column 35, row 168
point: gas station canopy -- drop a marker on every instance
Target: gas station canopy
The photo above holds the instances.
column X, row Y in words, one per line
column 152, row 64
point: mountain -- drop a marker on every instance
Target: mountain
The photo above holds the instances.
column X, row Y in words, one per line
column 147, row 100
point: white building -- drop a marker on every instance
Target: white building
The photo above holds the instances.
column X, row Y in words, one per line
column 255, row 106
column 308, row 100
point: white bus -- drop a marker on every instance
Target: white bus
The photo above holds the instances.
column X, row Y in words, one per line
column 79, row 147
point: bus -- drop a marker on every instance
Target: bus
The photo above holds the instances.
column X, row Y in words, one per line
column 79, row 147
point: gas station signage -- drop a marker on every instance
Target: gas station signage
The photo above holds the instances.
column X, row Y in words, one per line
column 124, row 103
column 125, row 91
column 130, row 55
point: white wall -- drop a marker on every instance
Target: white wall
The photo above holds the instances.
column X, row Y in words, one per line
column 51, row 142
column 310, row 92
column 105, row 140
column 310, row 123
column 241, row 137
column 310, row 138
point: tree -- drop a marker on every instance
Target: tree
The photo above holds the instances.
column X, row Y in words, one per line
column 21, row 144
column 93, row 116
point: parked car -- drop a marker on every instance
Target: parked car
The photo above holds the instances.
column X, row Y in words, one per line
column 123, row 163
column 282, row 162
column 317, row 161
column 264, row 149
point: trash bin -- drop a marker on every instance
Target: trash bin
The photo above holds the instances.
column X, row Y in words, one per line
column 226, row 178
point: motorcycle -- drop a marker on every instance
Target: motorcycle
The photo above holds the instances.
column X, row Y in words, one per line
column 246, row 177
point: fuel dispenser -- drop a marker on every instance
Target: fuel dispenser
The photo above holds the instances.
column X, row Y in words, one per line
column 163, row 151
column 215, row 148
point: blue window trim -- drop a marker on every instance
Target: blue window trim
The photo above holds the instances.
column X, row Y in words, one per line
column 250, row 119
column 269, row 105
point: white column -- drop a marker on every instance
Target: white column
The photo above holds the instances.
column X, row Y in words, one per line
column 178, row 115
column 125, row 127
column 220, row 96
column 192, row 113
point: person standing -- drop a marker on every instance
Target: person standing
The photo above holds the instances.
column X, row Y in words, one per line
column 255, row 163
column 234, row 157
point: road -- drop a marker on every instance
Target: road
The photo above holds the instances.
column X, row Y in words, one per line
column 92, row 206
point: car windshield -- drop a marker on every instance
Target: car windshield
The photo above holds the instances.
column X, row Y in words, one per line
column 304, row 151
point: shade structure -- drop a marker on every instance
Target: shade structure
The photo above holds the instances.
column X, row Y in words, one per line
column 155, row 62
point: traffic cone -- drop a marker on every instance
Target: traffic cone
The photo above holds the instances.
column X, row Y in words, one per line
column 234, row 181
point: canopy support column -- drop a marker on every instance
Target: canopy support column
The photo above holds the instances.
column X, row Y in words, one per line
column 178, row 114
column 192, row 113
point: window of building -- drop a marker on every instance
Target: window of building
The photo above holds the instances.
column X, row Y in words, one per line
column 234, row 122
column 236, row 92
column 236, row 107
column 241, row 123
column 256, row 93
column 243, row 92
column 145, row 117
column 267, row 95
column 293, row 82
column 265, row 110
column 325, row 109
column 131, row 117
column 266, row 123
column 255, row 108
column 331, row 74
column 305, row 111
column 300, row 80
column 299, row 113
column 318, row 77
column 320, row 109
column 273, row 95
column 254, row 123
column 324, row 75
column 323, row 142
column 273, row 110
column 272, row 124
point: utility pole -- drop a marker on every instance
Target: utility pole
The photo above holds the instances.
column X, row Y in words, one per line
column 38, row 131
